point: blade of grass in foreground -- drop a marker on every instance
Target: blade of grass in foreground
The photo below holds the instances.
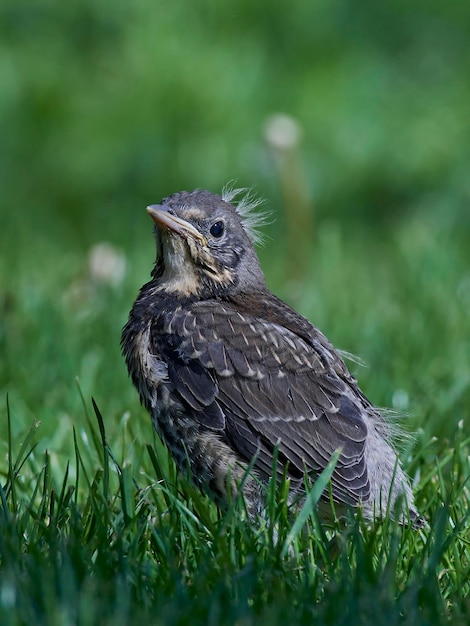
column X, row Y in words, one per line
column 310, row 503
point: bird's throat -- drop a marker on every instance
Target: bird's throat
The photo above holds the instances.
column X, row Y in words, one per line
column 180, row 276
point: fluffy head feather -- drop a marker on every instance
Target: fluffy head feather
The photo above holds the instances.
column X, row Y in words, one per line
column 246, row 203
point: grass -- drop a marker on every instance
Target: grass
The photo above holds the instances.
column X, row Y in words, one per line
column 125, row 543
column 105, row 111
column 97, row 526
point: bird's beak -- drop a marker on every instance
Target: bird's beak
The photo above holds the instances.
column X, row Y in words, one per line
column 163, row 219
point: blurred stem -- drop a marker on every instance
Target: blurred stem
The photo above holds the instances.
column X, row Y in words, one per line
column 283, row 137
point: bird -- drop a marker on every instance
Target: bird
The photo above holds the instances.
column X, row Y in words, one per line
column 241, row 387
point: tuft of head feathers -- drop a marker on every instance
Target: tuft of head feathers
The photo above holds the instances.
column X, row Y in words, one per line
column 246, row 205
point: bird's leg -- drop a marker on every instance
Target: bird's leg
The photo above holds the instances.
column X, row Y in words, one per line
column 215, row 467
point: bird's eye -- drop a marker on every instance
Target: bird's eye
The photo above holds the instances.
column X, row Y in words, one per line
column 217, row 229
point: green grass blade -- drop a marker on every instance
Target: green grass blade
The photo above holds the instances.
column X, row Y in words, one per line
column 312, row 499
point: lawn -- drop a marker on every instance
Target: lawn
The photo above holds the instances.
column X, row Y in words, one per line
column 104, row 112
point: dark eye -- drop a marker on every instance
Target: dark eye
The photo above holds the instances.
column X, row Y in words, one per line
column 217, row 229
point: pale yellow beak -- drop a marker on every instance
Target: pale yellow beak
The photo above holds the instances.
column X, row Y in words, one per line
column 165, row 220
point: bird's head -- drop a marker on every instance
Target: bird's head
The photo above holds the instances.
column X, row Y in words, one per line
column 205, row 245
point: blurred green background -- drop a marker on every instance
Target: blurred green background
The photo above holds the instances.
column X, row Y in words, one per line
column 106, row 107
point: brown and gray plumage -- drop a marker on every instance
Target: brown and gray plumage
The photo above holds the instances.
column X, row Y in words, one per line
column 231, row 374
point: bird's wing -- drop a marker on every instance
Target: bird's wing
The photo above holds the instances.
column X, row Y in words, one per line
column 264, row 387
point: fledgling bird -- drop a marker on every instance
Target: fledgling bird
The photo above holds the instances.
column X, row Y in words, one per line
column 231, row 375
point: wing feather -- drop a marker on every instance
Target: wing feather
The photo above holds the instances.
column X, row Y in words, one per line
column 267, row 386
